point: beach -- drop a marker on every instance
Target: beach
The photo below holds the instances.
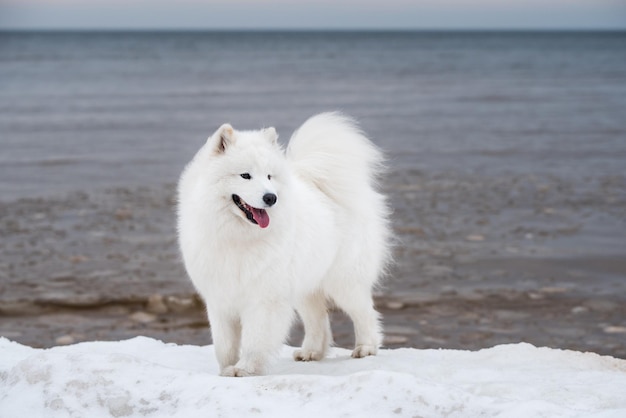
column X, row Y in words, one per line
column 506, row 177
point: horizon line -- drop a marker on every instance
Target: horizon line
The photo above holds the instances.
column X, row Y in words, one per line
column 320, row 29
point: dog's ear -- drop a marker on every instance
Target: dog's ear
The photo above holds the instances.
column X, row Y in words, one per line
column 223, row 138
column 270, row 134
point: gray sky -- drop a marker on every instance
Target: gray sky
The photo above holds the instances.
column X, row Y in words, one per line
column 308, row 14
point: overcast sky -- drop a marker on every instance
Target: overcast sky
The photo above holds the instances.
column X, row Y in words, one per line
column 309, row 14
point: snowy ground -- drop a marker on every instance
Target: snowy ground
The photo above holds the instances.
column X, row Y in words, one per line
column 143, row 377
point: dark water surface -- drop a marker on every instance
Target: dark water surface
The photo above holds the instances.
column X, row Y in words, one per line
column 82, row 111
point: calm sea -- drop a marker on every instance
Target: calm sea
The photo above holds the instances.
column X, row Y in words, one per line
column 89, row 110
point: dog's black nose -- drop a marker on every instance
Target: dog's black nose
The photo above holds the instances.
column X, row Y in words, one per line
column 269, row 199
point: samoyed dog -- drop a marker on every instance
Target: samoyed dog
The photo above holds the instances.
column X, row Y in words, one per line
column 265, row 231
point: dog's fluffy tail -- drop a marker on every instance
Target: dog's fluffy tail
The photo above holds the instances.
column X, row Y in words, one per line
column 330, row 151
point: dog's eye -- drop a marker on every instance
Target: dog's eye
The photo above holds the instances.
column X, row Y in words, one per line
column 269, row 176
column 246, row 176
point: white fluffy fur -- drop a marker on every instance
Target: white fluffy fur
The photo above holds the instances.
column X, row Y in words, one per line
column 327, row 240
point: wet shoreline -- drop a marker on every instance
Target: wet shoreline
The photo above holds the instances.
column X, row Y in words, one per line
column 480, row 261
column 545, row 318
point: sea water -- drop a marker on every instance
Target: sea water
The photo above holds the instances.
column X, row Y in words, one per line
column 80, row 111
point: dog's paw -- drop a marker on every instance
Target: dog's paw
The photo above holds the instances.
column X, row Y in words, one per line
column 307, row 355
column 361, row 351
column 232, row 371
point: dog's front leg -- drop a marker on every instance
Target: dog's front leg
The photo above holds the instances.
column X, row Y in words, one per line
column 226, row 333
column 263, row 331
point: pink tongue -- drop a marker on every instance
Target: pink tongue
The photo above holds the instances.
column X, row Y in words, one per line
column 260, row 216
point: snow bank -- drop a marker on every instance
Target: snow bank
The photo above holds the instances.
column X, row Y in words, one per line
column 143, row 377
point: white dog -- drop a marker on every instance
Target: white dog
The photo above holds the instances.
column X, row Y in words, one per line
column 263, row 231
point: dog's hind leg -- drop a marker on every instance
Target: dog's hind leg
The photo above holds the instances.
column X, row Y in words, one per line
column 358, row 304
column 317, row 334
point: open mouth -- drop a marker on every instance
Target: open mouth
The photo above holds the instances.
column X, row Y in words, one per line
column 254, row 215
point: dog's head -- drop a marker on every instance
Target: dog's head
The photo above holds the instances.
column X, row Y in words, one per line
column 250, row 168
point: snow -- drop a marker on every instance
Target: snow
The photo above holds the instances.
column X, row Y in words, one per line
column 143, row 377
